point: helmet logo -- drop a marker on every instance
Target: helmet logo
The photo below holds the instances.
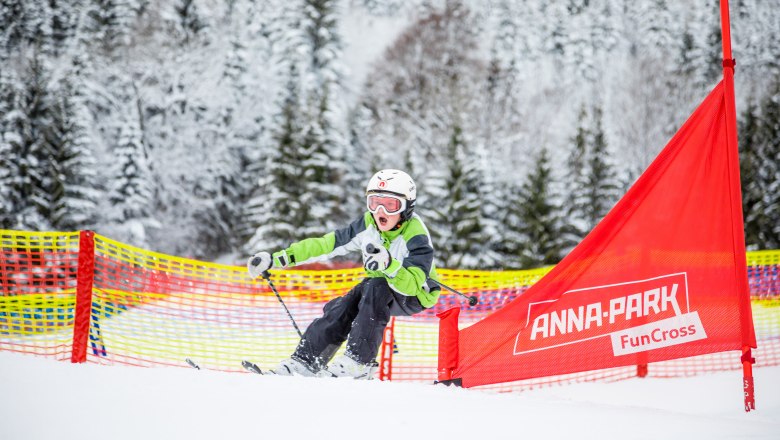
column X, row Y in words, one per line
column 382, row 184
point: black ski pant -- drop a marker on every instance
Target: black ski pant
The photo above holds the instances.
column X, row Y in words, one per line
column 359, row 317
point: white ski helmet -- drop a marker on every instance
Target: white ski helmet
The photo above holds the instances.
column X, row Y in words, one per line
column 395, row 182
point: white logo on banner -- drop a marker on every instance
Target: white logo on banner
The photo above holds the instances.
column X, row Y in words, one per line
column 620, row 311
column 664, row 333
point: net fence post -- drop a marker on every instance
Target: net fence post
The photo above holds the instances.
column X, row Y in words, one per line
column 84, row 278
column 747, row 378
column 386, row 359
column 448, row 346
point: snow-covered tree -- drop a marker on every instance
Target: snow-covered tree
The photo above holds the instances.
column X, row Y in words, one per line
column 305, row 196
column 749, row 163
column 324, row 134
column 540, row 220
column 275, row 207
column 457, row 223
column 25, row 23
column 428, row 81
column 211, row 81
column 106, row 25
column 75, row 187
column 575, row 177
column 47, row 25
column 601, row 183
column 27, row 157
column 593, row 187
column 12, row 128
column 511, row 239
column 767, row 176
column 130, row 193
column 189, row 21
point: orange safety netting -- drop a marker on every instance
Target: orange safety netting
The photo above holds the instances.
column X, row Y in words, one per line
column 149, row 309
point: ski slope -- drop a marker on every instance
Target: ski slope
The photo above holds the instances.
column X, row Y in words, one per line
column 44, row 399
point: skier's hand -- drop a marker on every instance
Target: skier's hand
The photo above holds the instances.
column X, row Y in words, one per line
column 375, row 257
column 259, row 263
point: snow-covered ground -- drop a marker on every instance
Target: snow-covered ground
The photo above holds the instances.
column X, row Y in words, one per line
column 45, row 399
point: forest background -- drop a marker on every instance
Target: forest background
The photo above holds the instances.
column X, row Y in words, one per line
column 207, row 128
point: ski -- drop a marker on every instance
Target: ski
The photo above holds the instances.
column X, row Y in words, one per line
column 251, row 367
column 192, row 363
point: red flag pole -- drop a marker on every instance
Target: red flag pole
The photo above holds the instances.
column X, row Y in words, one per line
column 738, row 234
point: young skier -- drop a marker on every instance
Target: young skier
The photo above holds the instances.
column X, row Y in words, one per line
column 398, row 259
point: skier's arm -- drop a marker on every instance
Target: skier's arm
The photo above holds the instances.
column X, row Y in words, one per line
column 309, row 250
column 410, row 277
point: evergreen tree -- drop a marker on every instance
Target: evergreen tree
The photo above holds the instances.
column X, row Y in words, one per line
column 75, row 192
column 251, row 75
column 189, row 22
column 131, row 190
column 307, row 165
column 768, row 172
column 541, row 224
column 364, row 161
column 323, row 136
column 592, row 180
column 576, row 172
column 275, row 206
column 12, row 127
column 12, row 29
column 322, row 170
column 64, row 22
column 712, row 55
column 749, row 162
column 28, row 23
column 459, row 228
column 107, row 25
column 27, row 159
column 556, row 39
column 273, row 212
column 602, row 186
column 513, row 238
column 218, row 220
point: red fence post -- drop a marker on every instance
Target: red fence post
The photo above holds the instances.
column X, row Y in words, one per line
column 84, row 279
column 448, row 343
column 386, row 359
column 747, row 378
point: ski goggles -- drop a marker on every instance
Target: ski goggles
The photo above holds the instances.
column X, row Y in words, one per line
column 390, row 203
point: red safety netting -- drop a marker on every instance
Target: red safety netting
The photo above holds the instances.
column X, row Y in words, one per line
column 38, row 284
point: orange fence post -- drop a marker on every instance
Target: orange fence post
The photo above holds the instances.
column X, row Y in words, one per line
column 84, row 279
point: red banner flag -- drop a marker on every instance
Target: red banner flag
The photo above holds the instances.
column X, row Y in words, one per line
column 661, row 277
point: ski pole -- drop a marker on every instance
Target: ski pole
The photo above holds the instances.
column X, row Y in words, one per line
column 473, row 300
column 267, row 277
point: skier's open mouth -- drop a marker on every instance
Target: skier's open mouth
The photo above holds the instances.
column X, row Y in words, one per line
column 382, row 220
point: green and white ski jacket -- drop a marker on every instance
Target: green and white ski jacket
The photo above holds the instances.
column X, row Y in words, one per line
column 411, row 264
